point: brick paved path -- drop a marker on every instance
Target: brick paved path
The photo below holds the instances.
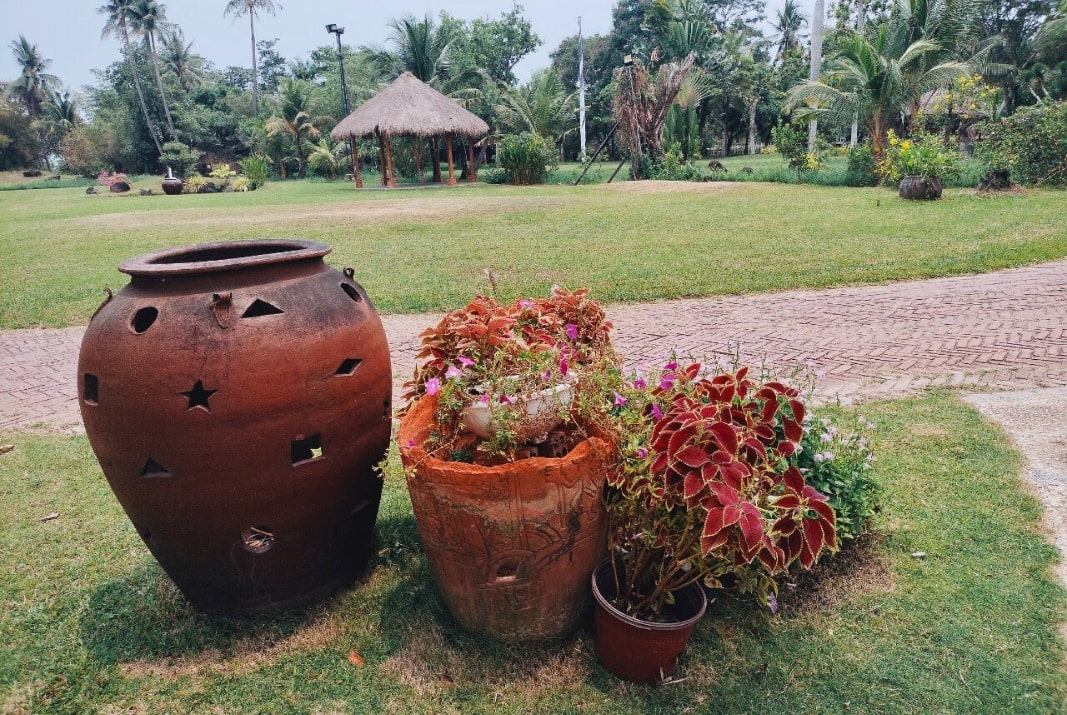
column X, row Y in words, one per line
column 1005, row 330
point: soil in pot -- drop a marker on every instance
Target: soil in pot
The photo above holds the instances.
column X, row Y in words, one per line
column 636, row 650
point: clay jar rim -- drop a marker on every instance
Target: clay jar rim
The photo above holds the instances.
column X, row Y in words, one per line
column 222, row 255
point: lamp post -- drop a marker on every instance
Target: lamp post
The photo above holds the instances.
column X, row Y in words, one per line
column 335, row 30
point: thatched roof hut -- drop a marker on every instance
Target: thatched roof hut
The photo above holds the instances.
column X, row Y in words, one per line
column 409, row 107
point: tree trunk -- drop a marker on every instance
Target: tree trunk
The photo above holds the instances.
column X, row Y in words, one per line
column 419, row 168
column 472, row 167
column 389, row 162
column 451, row 170
column 752, row 127
column 255, row 69
column 355, row 165
column 154, row 57
column 140, row 92
column 381, row 159
column 436, row 155
column 300, row 170
column 815, row 68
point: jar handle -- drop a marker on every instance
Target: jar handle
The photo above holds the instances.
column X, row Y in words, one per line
column 220, row 306
column 107, row 300
column 350, row 273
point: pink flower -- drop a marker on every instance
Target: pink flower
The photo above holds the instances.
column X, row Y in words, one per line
column 452, row 372
column 572, row 331
column 667, row 382
column 433, row 386
column 465, row 361
column 546, row 375
column 620, row 400
column 411, row 443
column 657, row 412
column 642, row 452
column 640, row 384
column 505, row 400
column 484, row 399
column 525, row 303
column 672, row 365
column 563, row 365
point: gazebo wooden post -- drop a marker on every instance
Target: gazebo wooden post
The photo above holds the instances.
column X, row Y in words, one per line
column 472, row 168
column 355, row 162
column 381, row 158
column 436, row 156
column 419, row 169
column 389, row 159
column 451, row 168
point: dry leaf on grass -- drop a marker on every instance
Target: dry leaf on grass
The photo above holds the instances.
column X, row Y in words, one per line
column 51, row 517
column 355, row 659
column 5, row 448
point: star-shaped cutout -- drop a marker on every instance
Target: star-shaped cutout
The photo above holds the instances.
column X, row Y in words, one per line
column 198, row 396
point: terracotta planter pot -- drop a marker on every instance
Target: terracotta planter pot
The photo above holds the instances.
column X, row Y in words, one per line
column 237, row 396
column 920, row 188
column 635, row 650
column 172, row 186
column 511, row 546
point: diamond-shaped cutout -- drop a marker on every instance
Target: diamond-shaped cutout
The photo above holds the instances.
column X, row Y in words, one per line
column 348, row 367
column 259, row 308
column 153, row 469
column 305, row 449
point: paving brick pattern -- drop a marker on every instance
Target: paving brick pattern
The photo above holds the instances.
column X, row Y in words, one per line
column 1004, row 330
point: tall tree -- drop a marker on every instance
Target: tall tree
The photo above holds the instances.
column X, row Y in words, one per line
column 33, row 83
column 294, row 120
column 815, row 70
column 148, row 18
column 179, row 60
column 250, row 8
column 420, row 47
column 119, row 14
column 787, row 25
column 542, row 107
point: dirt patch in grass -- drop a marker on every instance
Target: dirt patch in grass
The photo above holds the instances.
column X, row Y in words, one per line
column 668, row 187
column 358, row 212
column 245, row 656
column 860, row 568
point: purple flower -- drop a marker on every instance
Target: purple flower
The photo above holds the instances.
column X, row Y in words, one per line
column 411, row 443
column 452, row 372
column 504, row 399
column 572, row 331
column 465, row 361
column 546, row 376
column 672, row 365
column 642, row 452
column 620, row 400
column 433, row 386
column 667, row 381
column 772, row 603
column 484, row 399
column 657, row 412
column 563, row 365
column 640, row 384
column 525, row 303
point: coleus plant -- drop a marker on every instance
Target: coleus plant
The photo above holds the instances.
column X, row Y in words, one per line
column 709, row 492
column 497, row 353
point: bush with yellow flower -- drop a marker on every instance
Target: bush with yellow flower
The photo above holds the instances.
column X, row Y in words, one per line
column 921, row 155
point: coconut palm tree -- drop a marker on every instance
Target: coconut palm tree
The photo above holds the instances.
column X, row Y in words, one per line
column 119, row 13
column 419, row 47
column 540, row 107
column 33, row 83
column 295, row 120
column 787, row 24
column 180, row 61
column 878, row 78
column 148, row 18
column 250, row 8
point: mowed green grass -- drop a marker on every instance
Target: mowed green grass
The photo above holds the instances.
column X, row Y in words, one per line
column 950, row 609
column 423, row 250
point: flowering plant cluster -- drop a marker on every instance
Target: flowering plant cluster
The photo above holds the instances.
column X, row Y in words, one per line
column 497, row 355
column 106, row 178
column 838, row 462
column 922, row 155
column 704, row 488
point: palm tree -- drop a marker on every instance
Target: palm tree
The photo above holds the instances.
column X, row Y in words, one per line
column 250, row 8
column 147, row 18
column 295, row 120
column 879, row 79
column 180, row 60
column 815, row 68
column 787, row 26
column 420, row 47
column 540, row 107
column 119, row 13
column 33, row 84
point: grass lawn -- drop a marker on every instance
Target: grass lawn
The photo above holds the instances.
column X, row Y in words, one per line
column 426, row 249
column 89, row 623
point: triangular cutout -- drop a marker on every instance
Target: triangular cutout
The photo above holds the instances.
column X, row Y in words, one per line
column 152, row 468
column 259, row 308
column 348, row 367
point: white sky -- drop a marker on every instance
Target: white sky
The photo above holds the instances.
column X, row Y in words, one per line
column 67, row 32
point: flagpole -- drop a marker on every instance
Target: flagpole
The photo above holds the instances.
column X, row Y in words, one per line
column 581, row 91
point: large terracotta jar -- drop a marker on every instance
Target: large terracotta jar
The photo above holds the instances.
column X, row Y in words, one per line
column 511, row 546
column 237, row 396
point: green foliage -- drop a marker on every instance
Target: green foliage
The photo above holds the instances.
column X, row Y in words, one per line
column 194, row 184
column 922, row 155
column 1031, row 145
column 671, row 168
column 839, row 464
column 862, row 168
column 791, row 142
column 180, row 158
column 492, row 175
column 256, row 168
column 19, row 143
column 242, row 184
column 527, row 158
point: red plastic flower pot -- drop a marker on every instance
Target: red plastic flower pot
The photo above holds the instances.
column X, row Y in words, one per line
column 636, row 650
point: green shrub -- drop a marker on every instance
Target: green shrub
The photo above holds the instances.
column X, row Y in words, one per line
column 526, row 157
column 1031, row 145
column 241, row 183
column 670, row 168
column 194, row 184
column 922, row 155
column 838, row 464
column 861, row 166
column 180, row 158
column 492, row 175
column 256, row 167
column 792, row 144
